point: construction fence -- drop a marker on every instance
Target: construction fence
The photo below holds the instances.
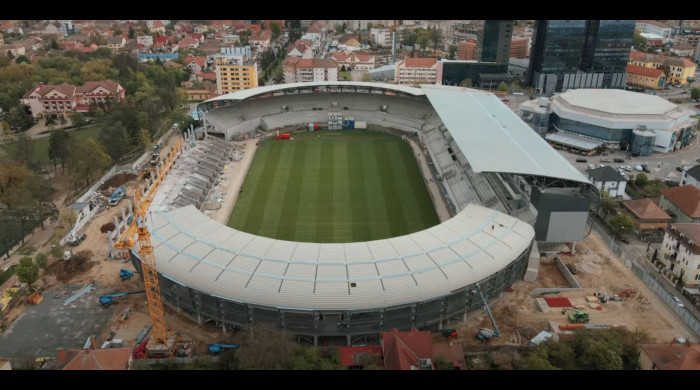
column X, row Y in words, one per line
column 659, row 287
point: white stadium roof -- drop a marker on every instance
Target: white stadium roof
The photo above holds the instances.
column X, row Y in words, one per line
column 493, row 138
column 194, row 250
column 617, row 101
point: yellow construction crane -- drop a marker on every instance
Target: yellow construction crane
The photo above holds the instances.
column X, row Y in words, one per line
column 159, row 344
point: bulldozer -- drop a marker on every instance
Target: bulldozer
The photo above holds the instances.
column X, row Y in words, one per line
column 577, row 317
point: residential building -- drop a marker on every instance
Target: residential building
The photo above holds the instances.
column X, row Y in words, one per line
column 200, row 93
column 189, row 42
column 691, row 177
column 680, row 252
column 381, row 37
column 353, row 61
column 116, row 43
column 143, row 57
column 466, row 50
column 520, row 47
column 682, row 203
column 355, row 25
column 300, row 50
column 52, row 28
column 568, row 54
column 669, row 356
column 414, row 71
column 683, row 50
column 261, row 41
column 624, row 120
column 654, row 27
column 692, row 39
column 314, row 69
column 493, row 41
column 233, row 75
column 464, row 30
column 15, row 49
column 157, row 27
column 678, row 70
column 61, row 100
column 608, row 179
column 647, row 214
column 195, row 63
column 649, row 78
column 289, row 69
column 66, row 27
column 230, row 39
column 239, row 53
column 146, row 40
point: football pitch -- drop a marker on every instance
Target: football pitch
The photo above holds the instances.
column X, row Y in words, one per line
column 334, row 186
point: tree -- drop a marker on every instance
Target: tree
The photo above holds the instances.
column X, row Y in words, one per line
column 621, row 224
column 67, row 218
column 27, row 271
column 312, row 358
column 22, row 59
column 41, row 260
column 639, row 42
column 275, row 29
column 101, row 53
column 367, row 77
column 115, row 140
column 265, row 348
column 607, row 204
column 695, row 93
column 641, row 180
column 59, row 146
column 503, row 87
column 435, row 36
column 452, row 51
column 132, row 32
column 24, row 149
column 78, row 119
column 538, row 359
column 423, row 41
column 86, row 162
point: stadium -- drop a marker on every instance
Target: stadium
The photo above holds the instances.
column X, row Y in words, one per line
column 347, row 293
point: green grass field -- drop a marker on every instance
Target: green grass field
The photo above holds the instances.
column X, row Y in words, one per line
column 345, row 186
column 41, row 145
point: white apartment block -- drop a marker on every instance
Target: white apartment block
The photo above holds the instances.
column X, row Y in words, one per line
column 680, row 252
column 415, row 71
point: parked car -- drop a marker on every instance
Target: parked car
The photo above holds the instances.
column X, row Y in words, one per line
column 697, row 106
column 76, row 240
column 619, row 160
column 678, row 301
column 639, row 168
column 698, row 160
column 679, row 169
column 581, row 160
column 604, row 160
column 645, row 168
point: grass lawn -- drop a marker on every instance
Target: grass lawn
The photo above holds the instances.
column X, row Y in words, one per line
column 345, row 186
column 41, row 145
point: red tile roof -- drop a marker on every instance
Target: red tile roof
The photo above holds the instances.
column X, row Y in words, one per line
column 404, row 349
column 163, row 40
column 687, row 198
column 201, row 61
column 291, row 60
column 637, row 54
column 646, row 208
column 688, row 63
column 349, row 355
column 674, row 356
column 421, row 62
column 644, row 71
column 100, row 359
column 90, row 86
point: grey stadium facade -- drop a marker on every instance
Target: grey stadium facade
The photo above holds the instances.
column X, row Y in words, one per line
column 346, row 294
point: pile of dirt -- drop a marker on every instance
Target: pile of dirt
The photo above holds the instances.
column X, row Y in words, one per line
column 108, row 227
column 66, row 270
column 117, row 180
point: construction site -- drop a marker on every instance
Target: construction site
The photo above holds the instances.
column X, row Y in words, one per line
column 109, row 292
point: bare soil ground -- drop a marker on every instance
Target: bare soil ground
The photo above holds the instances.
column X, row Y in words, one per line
column 519, row 318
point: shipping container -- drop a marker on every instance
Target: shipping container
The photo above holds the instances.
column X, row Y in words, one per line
column 360, row 124
column 283, row 136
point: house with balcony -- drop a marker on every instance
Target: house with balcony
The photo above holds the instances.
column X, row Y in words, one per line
column 45, row 100
column 680, row 252
column 646, row 214
column 682, row 203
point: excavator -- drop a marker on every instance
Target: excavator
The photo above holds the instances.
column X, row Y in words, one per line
column 577, row 317
column 485, row 333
